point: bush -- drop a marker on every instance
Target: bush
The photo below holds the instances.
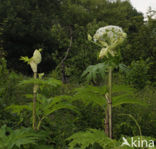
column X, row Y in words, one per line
column 137, row 74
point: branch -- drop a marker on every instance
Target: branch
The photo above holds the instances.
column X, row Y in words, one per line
column 67, row 52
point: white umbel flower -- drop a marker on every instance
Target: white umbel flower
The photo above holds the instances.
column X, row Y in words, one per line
column 109, row 37
column 110, row 31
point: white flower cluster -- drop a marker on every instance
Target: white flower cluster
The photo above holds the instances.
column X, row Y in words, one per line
column 109, row 37
column 110, row 31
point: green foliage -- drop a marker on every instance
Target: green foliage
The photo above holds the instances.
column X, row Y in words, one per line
column 148, row 94
column 3, row 75
column 47, row 107
column 40, row 146
column 85, row 139
column 16, row 138
column 121, row 94
column 9, row 92
column 25, row 59
column 18, row 108
column 91, row 137
column 94, row 73
column 138, row 75
column 3, row 68
column 91, row 94
column 40, row 82
column 44, row 106
column 97, row 73
column 30, row 26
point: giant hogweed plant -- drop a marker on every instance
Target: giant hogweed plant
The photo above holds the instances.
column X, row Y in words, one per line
column 109, row 38
column 105, row 96
column 41, row 106
column 34, row 61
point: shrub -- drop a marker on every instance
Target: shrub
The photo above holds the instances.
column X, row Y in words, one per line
column 137, row 75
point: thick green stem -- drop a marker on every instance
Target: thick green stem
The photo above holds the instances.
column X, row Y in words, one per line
column 110, row 101
column 34, row 102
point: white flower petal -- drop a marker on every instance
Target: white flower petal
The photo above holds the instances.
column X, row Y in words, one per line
column 37, row 57
column 33, row 66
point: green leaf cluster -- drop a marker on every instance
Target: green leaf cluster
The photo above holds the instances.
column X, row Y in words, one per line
column 16, row 138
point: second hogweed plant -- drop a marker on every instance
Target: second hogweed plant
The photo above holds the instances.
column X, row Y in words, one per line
column 33, row 62
column 43, row 106
column 108, row 38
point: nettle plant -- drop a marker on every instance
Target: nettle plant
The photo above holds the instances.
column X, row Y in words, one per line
column 42, row 106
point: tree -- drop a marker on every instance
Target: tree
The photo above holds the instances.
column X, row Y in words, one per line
column 26, row 26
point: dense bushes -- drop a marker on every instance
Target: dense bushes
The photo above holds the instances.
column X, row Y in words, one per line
column 63, row 123
column 138, row 74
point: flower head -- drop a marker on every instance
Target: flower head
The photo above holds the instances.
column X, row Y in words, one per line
column 34, row 60
column 37, row 57
column 109, row 38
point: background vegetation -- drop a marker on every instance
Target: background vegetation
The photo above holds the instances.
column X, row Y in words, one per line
column 77, row 104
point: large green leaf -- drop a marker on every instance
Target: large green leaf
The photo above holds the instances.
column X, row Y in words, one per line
column 19, row 108
column 91, row 94
column 48, row 82
column 90, row 137
column 94, row 71
column 121, row 94
column 11, row 138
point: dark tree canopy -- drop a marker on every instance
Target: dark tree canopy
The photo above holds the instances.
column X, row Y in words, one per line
column 31, row 24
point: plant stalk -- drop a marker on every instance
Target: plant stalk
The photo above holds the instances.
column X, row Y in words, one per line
column 39, row 123
column 110, row 101
column 107, row 122
column 34, row 102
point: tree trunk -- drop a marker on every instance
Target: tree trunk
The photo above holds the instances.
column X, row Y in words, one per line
column 64, row 80
column 62, row 64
